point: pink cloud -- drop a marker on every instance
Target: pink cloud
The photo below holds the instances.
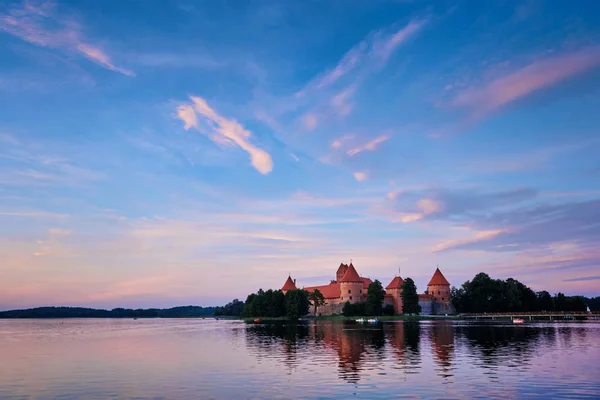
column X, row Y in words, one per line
column 384, row 48
column 483, row 100
column 309, row 121
column 224, row 131
column 360, row 176
column 369, row 146
column 39, row 25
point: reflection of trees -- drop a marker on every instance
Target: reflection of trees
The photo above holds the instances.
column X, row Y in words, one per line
column 278, row 340
column 442, row 342
column 404, row 339
column 506, row 346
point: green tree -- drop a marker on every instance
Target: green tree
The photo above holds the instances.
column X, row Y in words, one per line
column 375, row 295
column 410, row 298
column 545, row 302
column 296, row 303
column 317, row 299
column 348, row 310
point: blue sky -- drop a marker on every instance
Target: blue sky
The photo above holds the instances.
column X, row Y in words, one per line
column 161, row 153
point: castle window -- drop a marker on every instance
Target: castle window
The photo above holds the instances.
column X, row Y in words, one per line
column 350, row 297
column 439, row 292
column 349, row 291
column 442, row 299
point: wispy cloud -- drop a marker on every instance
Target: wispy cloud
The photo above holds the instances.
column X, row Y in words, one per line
column 486, row 98
column 384, row 47
column 42, row 26
column 223, row 131
column 360, row 176
column 377, row 48
column 584, row 278
column 369, row 146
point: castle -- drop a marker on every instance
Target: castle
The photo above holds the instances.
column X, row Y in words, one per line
column 349, row 286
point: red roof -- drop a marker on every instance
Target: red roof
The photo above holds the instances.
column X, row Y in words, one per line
column 289, row 284
column 351, row 275
column 366, row 282
column 396, row 283
column 438, row 279
column 331, row 291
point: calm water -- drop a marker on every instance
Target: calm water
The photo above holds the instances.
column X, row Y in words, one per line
column 204, row 359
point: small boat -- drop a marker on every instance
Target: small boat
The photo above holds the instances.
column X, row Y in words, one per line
column 373, row 320
column 518, row 321
column 361, row 320
column 257, row 320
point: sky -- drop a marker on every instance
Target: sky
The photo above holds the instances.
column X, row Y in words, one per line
column 158, row 153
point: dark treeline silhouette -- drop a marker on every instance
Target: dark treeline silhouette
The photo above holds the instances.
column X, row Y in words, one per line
column 274, row 304
column 81, row 312
column 486, row 295
column 232, row 309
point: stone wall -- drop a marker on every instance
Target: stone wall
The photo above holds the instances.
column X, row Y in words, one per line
column 426, row 307
column 441, row 308
column 327, row 309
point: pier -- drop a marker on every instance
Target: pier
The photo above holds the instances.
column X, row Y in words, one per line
column 535, row 315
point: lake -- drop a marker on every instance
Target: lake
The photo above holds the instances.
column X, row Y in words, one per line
column 209, row 359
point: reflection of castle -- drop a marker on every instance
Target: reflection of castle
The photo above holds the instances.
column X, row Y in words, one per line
column 349, row 286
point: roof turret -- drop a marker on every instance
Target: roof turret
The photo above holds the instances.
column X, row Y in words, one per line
column 396, row 283
column 438, row 278
column 289, row 284
column 351, row 275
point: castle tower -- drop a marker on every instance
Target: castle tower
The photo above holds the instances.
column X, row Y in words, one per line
column 340, row 272
column 439, row 287
column 395, row 290
column 351, row 286
column 289, row 285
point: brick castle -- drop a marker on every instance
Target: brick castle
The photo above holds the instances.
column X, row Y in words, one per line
column 349, row 286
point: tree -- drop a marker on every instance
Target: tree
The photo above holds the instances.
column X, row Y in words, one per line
column 375, row 295
column 296, row 303
column 348, row 310
column 233, row 308
column 388, row 310
column 317, row 299
column 410, row 298
column 545, row 302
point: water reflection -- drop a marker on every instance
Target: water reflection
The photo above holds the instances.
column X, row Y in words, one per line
column 186, row 359
column 442, row 341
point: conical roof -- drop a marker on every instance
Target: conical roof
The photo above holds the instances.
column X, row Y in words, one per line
column 289, row 284
column 438, row 278
column 351, row 275
column 396, row 283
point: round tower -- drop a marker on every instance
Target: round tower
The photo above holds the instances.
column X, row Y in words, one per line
column 394, row 289
column 439, row 287
column 351, row 286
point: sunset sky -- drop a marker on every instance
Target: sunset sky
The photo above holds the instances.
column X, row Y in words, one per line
column 158, row 153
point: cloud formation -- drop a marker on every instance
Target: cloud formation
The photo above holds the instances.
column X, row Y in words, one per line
column 486, row 98
column 360, row 176
column 223, row 131
column 41, row 26
column 369, row 146
column 377, row 48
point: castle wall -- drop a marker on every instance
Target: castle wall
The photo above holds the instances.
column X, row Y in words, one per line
column 442, row 308
column 328, row 309
column 426, row 307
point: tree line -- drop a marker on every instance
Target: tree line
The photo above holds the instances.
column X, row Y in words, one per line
column 82, row 312
column 486, row 295
column 274, row 304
